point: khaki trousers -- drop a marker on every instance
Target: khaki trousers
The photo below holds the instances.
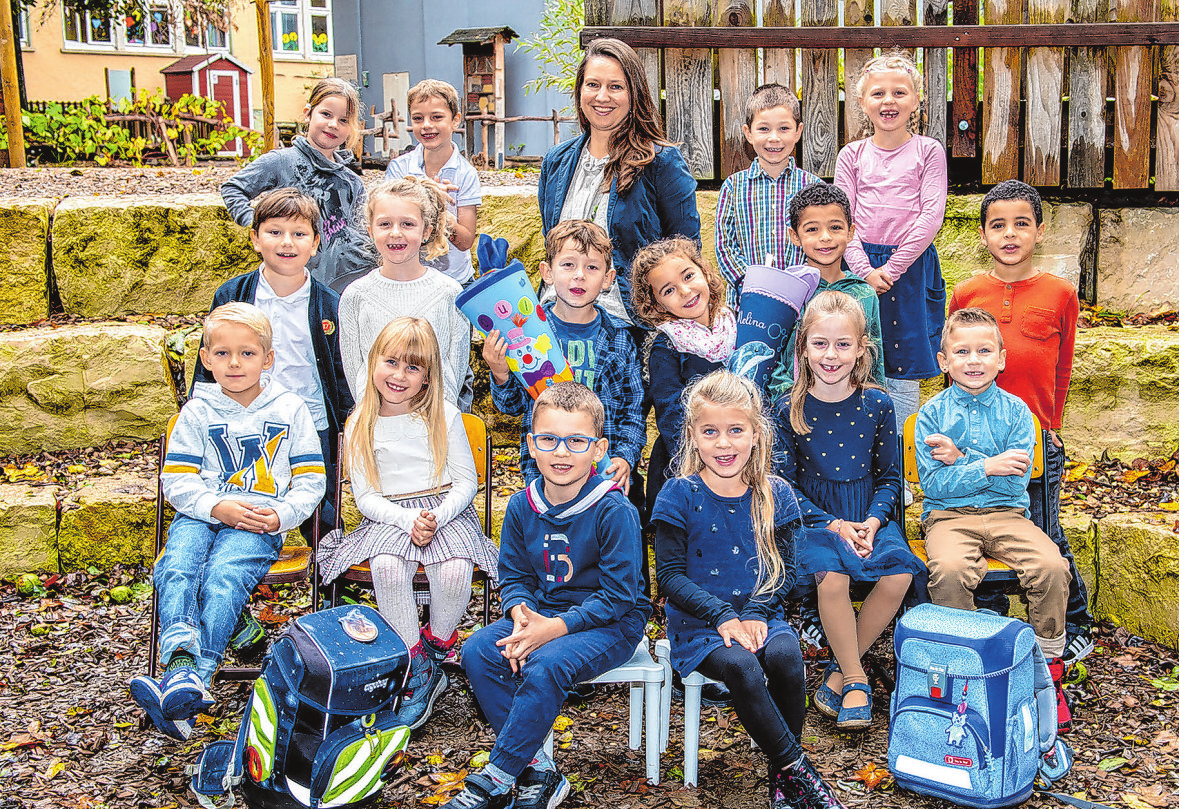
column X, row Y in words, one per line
column 957, row 540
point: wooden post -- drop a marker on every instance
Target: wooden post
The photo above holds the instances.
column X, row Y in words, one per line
column 1001, row 94
column 964, row 124
column 1133, row 79
column 855, row 12
column 899, row 12
column 10, row 87
column 1041, row 151
column 936, row 76
column 1166, row 171
column 820, row 97
column 778, row 63
column 738, row 79
column 1086, row 106
column 632, row 12
column 688, row 79
column 266, row 69
column 500, row 111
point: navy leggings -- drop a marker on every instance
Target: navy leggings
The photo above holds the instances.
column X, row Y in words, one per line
column 768, row 691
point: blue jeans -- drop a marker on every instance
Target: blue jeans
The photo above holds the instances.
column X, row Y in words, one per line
column 1077, row 615
column 522, row 707
column 204, row 579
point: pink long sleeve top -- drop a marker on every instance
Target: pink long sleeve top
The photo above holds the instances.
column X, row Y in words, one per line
column 898, row 198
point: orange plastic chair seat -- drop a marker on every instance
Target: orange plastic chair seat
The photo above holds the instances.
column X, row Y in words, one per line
column 918, row 548
column 291, row 565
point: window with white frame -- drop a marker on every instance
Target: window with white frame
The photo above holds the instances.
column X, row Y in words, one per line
column 148, row 26
column 301, row 28
column 83, row 29
column 22, row 24
column 204, row 36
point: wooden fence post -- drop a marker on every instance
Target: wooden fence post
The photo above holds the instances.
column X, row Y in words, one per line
column 738, row 79
column 1001, row 94
column 1086, row 106
column 1166, row 158
column 1133, row 80
column 778, row 63
column 855, row 12
column 688, row 81
column 1041, row 155
column 266, row 69
column 10, row 86
column 820, row 94
column 936, row 76
column 964, row 124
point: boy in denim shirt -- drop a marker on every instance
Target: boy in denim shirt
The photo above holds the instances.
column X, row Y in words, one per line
column 974, row 455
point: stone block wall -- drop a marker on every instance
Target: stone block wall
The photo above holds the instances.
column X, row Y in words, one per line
column 24, row 237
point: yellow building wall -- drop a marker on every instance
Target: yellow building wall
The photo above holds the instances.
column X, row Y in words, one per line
column 53, row 73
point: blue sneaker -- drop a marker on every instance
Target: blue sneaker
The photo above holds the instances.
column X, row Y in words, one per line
column 540, row 789
column 147, row 695
column 183, row 693
column 425, row 685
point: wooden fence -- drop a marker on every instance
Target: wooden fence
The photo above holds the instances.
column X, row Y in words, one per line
column 1068, row 96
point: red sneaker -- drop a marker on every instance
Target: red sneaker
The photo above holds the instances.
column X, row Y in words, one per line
column 1064, row 717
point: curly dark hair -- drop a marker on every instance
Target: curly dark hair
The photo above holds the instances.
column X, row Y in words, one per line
column 819, row 193
column 649, row 310
column 1009, row 190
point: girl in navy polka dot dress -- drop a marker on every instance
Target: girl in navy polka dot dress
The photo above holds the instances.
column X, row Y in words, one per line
column 838, row 447
column 725, row 554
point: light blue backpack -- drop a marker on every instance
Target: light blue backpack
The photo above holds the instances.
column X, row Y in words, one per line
column 973, row 716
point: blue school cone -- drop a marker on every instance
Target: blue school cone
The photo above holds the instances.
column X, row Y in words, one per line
column 771, row 300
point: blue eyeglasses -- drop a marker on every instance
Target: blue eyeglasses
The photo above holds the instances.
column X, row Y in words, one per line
column 577, row 444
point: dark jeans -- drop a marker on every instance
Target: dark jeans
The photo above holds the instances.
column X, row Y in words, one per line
column 768, row 690
column 521, row 707
column 1077, row 616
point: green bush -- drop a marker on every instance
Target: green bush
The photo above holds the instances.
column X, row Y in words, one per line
column 68, row 134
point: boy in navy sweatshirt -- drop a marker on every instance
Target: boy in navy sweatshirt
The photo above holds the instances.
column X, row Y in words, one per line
column 570, row 584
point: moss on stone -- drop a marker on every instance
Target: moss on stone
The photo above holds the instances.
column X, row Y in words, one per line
column 28, row 529
column 115, row 256
column 24, row 232
column 80, row 386
column 108, row 521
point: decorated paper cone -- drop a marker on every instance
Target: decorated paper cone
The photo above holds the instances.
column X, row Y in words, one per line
column 770, row 302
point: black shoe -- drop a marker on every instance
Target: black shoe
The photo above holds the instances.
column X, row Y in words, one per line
column 540, row 789
column 477, row 794
column 1078, row 646
column 799, row 786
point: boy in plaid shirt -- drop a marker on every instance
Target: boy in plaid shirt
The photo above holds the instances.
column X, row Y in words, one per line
column 597, row 345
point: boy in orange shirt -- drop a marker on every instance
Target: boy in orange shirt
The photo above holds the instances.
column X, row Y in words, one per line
column 1037, row 314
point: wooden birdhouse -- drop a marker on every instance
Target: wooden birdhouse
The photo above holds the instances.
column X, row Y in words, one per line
column 482, row 93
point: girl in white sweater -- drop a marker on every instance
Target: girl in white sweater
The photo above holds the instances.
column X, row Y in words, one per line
column 413, row 479
column 406, row 218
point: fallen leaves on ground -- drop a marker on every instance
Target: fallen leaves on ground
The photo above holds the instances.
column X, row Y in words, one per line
column 872, row 775
column 1110, row 485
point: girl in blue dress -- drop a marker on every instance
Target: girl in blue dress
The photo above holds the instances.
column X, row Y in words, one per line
column 725, row 555
column 839, row 449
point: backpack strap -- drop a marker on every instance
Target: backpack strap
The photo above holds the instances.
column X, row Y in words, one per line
column 1045, row 694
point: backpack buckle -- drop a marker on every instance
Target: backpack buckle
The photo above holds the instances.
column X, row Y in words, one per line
column 937, row 677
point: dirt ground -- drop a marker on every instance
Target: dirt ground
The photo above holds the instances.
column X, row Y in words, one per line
column 71, row 737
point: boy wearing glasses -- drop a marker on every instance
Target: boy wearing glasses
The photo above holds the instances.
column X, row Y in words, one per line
column 597, row 346
column 570, row 585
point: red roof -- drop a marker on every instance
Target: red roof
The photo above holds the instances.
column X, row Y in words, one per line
column 199, row 61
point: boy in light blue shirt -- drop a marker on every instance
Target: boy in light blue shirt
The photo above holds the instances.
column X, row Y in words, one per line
column 974, row 456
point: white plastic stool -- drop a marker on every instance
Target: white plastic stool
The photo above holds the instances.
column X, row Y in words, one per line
column 693, row 683
column 646, row 678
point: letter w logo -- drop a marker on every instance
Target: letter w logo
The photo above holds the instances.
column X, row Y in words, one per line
column 249, row 466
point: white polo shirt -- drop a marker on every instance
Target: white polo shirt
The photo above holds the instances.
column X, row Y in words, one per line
column 294, row 354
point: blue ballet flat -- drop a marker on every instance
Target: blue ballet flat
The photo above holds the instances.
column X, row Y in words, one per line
column 826, row 700
column 855, row 718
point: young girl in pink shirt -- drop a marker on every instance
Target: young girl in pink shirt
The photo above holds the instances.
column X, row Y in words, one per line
column 896, row 181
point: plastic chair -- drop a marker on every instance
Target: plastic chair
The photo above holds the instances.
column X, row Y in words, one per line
column 293, row 565
column 480, row 441
column 646, row 678
column 693, row 685
column 999, row 574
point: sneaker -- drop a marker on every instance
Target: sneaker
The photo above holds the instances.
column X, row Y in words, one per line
column 183, row 693
column 249, row 638
column 426, row 684
column 477, row 794
column 540, row 789
column 1079, row 645
column 799, row 786
column 440, row 651
column 148, row 696
column 1064, row 717
column 811, row 631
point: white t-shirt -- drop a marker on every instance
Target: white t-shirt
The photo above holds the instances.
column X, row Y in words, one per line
column 294, row 355
column 456, row 263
